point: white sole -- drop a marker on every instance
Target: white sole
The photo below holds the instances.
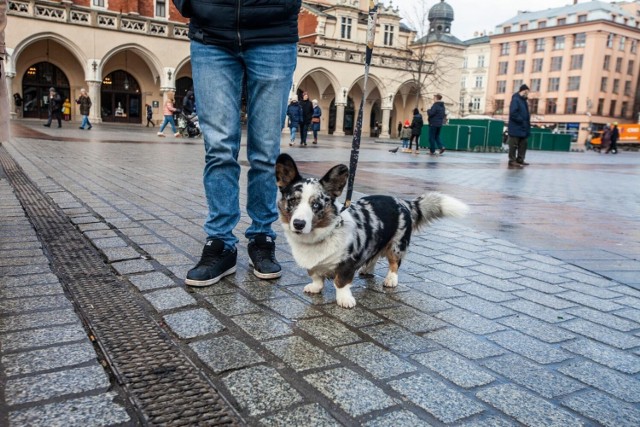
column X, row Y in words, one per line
column 267, row 275
column 203, row 283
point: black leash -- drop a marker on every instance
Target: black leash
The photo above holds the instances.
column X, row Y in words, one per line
column 357, row 131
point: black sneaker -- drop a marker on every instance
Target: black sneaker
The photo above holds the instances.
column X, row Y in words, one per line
column 215, row 263
column 262, row 251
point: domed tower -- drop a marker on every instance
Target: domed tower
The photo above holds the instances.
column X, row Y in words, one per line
column 440, row 18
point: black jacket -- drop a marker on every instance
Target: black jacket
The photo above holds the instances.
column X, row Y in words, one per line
column 240, row 23
column 436, row 114
column 307, row 111
column 519, row 118
column 416, row 124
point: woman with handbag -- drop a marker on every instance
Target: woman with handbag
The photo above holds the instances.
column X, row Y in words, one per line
column 315, row 120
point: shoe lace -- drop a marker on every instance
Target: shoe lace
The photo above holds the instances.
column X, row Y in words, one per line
column 265, row 253
column 210, row 258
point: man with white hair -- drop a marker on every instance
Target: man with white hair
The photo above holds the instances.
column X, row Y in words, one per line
column 85, row 107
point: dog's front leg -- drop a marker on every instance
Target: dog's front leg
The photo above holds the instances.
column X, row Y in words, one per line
column 315, row 287
column 342, row 282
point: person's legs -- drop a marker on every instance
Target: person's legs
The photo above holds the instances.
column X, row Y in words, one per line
column 59, row 118
column 522, row 150
column 49, row 119
column 303, row 134
column 85, row 121
column 437, row 138
column 164, row 124
column 315, row 136
column 172, row 122
column 293, row 130
column 432, row 139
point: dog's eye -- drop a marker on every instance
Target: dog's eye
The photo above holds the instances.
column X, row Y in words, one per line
column 316, row 206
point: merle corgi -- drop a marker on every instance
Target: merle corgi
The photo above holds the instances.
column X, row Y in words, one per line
column 331, row 243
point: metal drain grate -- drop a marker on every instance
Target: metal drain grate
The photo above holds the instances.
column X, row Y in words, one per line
column 165, row 387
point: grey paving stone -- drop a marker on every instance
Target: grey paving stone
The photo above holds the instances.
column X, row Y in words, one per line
column 356, row 317
column 401, row 418
column 603, row 409
column 630, row 301
column 527, row 408
column 353, row 393
column 469, row 321
column 31, row 291
column 482, row 307
column 48, row 335
column 132, row 266
column 305, row 415
column 328, row 331
column 109, row 242
column 499, row 273
column 590, row 301
column 541, row 330
column 100, row 234
column 398, row 339
column 379, row 362
column 291, row 308
column 551, row 301
column 21, row 270
column 486, row 292
column 544, row 277
column 629, row 313
column 120, row 254
column 538, row 311
column 93, row 226
column 456, row 260
column 595, row 291
column 29, row 362
column 260, row 389
column 299, row 354
column 542, row 266
column 20, row 253
column 547, row 383
column 225, row 353
column 437, row 290
column 539, row 285
column 412, row 319
column 591, row 279
column 148, row 281
column 421, row 301
column 455, row 369
column 616, row 359
column 35, row 320
column 464, row 343
column 23, row 261
column 167, row 299
column 55, row 384
column 624, row 387
column 442, row 402
column 80, row 412
column 602, row 334
column 262, row 326
column 233, row 304
column 193, row 323
column 529, row 347
column 605, row 319
column 444, row 278
column 489, row 421
column 28, row 280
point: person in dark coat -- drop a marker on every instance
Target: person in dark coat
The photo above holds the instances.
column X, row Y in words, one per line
column 149, row 115
column 416, row 129
column 315, row 120
column 436, row 114
column 294, row 114
column 307, row 115
column 55, row 107
column 189, row 103
column 615, row 136
column 85, row 108
column 519, row 127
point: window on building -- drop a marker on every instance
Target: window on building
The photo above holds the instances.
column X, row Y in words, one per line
column 498, row 105
column 388, row 34
column 504, row 48
column 552, row 106
column 622, row 43
column 542, row 24
column 98, row 3
column 479, row 82
column 604, row 82
column 522, row 46
column 610, row 38
column 627, row 88
column 558, row 42
column 463, row 82
column 475, row 103
column 539, row 45
column 573, row 83
column 537, row 65
column 535, row 85
column 618, row 65
column 533, row 105
column 516, row 84
column 579, row 40
column 503, row 67
column 606, row 63
column 524, row 27
column 345, row 28
column 465, row 63
column 520, row 66
column 571, row 105
column 562, row 21
column 612, row 108
column 501, row 86
column 634, row 46
column 553, row 84
column 480, row 61
column 616, row 86
column 576, row 62
column 631, row 67
column 600, row 109
column 624, row 109
column 161, row 8
column 582, row 18
column 507, row 29
column 556, row 63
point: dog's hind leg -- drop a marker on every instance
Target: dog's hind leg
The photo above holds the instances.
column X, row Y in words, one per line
column 395, row 258
column 315, row 287
column 369, row 267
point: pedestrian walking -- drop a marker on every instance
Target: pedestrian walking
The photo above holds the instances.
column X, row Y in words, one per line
column 168, row 110
column 605, row 140
column 307, row 114
column 615, row 136
column 84, row 101
column 519, row 127
column 149, row 115
column 416, row 129
column 294, row 115
column 233, row 44
column 436, row 116
column 66, row 110
column 54, row 107
column 405, row 136
column 315, row 120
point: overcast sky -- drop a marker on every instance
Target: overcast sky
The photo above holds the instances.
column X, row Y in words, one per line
column 481, row 15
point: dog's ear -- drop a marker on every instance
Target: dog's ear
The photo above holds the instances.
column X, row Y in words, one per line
column 286, row 171
column 334, row 181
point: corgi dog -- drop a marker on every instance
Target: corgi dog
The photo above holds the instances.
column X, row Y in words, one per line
column 331, row 243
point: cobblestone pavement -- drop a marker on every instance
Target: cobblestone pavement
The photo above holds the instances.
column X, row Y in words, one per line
column 525, row 313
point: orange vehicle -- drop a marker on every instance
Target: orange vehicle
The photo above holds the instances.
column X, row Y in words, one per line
column 629, row 137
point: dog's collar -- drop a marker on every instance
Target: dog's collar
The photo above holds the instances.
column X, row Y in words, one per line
column 340, row 223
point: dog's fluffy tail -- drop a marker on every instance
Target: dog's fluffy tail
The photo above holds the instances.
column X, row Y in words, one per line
column 434, row 205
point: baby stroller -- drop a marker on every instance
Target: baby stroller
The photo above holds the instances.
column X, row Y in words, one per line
column 188, row 125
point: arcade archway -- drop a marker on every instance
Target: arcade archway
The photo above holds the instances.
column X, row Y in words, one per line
column 35, row 88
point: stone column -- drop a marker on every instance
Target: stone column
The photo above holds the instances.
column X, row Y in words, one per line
column 13, row 110
column 339, row 119
column 386, row 113
column 93, row 88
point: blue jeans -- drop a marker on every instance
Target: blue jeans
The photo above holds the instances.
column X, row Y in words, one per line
column 85, row 122
column 169, row 120
column 293, row 132
column 434, row 138
column 218, row 76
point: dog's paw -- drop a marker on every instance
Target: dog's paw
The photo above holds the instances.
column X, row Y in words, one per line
column 344, row 298
column 391, row 281
column 313, row 288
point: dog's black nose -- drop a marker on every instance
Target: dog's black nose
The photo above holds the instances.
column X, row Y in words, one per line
column 299, row 224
